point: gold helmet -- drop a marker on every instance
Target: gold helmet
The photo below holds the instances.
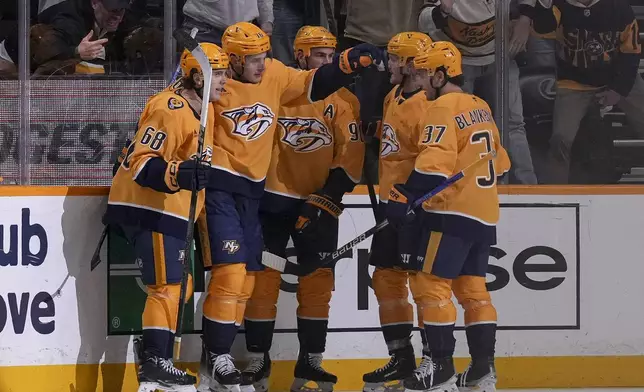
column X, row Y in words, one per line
column 441, row 54
column 408, row 44
column 309, row 37
column 216, row 57
column 245, row 39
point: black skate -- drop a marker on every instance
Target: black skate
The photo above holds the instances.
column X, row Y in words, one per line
column 480, row 376
column 217, row 373
column 435, row 375
column 389, row 377
column 256, row 373
column 309, row 368
column 160, row 374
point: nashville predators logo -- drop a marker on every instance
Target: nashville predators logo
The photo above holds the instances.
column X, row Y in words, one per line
column 250, row 122
column 388, row 142
column 304, row 134
column 230, row 246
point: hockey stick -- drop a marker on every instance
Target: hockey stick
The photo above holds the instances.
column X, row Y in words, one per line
column 193, row 34
column 283, row 265
column 96, row 258
column 193, row 46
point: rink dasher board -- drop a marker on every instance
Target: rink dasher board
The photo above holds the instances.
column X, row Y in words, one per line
column 579, row 307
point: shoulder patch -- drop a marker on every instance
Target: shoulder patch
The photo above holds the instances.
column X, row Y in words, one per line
column 174, row 103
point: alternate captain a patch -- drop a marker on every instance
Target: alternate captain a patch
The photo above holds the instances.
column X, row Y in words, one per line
column 174, row 103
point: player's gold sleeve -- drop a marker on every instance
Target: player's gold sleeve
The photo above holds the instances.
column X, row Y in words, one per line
column 295, row 84
column 437, row 143
column 159, row 136
column 348, row 152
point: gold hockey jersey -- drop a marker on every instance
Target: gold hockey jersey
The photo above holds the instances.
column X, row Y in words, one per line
column 402, row 123
column 245, row 123
column 310, row 141
column 458, row 129
column 143, row 193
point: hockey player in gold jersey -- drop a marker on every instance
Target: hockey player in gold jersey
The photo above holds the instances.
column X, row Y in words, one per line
column 150, row 199
column 317, row 156
column 403, row 107
column 246, row 120
column 455, row 229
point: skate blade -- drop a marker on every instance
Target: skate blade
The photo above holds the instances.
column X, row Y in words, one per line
column 247, row 388
column 488, row 385
column 447, row 386
column 217, row 387
column 302, row 385
column 389, row 386
column 204, row 383
column 154, row 386
column 261, row 386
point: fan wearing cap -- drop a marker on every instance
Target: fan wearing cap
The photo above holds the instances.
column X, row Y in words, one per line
column 245, row 123
column 150, row 200
column 86, row 30
column 317, row 157
column 455, row 229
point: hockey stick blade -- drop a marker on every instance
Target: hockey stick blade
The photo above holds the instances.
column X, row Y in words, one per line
column 175, row 75
column 283, row 265
column 184, row 39
column 96, row 258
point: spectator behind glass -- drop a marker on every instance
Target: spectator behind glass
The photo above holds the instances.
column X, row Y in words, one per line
column 598, row 54
column 213, row 17
column 91, row 37
column 376, row 21
column 290, row 16
column 470, row 25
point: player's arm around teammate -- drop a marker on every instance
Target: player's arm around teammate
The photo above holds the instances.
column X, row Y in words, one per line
column 458, row 225
column 231, row 234
column 150, row 199
column 317, row 158
column 402, row 113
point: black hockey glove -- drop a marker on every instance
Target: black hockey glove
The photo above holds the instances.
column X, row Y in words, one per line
column 318, row 216
column 361, row 56
column 399, row 203
column 182, row 174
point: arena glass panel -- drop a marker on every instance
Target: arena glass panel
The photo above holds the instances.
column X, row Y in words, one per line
column 9, row 132
column 87, row 86
column 80, row 126
column 605, row 144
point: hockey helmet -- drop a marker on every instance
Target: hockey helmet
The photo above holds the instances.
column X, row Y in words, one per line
column 407, row 45
column 245, row 39
column 441, row 54
column 216, row 56
column 309, row 37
